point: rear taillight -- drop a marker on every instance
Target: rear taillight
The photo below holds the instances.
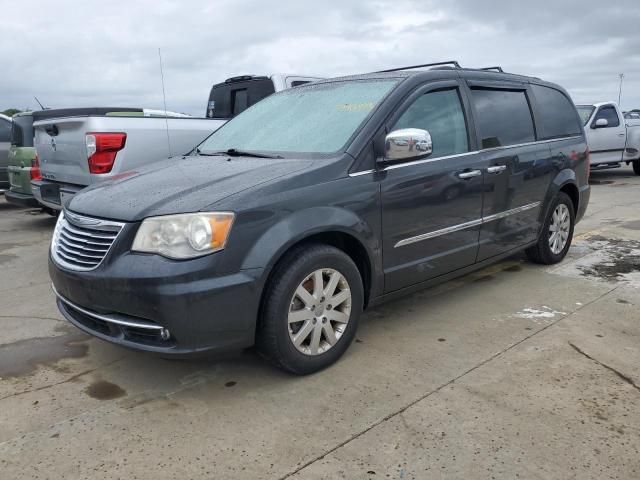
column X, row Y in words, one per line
column 102, row 149
column 35, row 172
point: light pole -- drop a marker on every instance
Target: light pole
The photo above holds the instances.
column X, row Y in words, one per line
column 620, row 89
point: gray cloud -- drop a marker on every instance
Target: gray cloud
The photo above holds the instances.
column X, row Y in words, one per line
column 73, row 53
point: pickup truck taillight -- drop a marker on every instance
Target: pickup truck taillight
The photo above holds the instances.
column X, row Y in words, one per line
column 102, row 149
column 35, row 172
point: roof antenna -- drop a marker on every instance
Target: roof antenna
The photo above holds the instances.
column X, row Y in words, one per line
column 41, row 106
column 164, row 98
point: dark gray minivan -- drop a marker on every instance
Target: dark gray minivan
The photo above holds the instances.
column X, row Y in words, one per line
column 281, row 227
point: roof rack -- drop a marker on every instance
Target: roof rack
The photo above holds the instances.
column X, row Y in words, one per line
column 497, row 69
column 436, row 64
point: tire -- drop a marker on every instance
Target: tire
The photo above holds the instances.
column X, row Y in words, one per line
column 636, row 167
column 276, row 334
column 543, row 252
column 51, row 211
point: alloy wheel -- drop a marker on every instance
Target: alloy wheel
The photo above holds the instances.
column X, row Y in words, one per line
column 559, row 228
column 319, row 311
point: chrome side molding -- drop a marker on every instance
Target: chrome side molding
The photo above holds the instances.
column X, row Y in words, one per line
column 437, row 233
column 462, row 226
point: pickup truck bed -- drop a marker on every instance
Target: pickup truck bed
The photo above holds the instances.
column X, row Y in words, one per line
column 64, row 147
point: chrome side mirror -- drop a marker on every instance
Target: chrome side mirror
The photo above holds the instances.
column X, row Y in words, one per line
column 407, row 143
column 601, row 123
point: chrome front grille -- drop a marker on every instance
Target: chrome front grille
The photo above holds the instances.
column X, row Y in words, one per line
column 81, row 243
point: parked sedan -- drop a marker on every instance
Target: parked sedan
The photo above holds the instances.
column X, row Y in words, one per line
column 318, row 202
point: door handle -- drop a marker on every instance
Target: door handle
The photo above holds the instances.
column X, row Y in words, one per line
column 469, row 174
column 621, row 134
column 496, row 169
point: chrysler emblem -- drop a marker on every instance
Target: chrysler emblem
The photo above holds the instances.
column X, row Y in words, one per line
column 81, row 221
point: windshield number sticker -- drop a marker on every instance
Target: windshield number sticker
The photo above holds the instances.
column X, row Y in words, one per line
column 355, row 107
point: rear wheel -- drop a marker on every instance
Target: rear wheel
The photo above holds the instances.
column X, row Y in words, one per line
column 636, row 167
column 557, row 232
column 311, row 309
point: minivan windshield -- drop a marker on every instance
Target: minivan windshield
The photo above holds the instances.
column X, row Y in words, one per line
column 314, row 119
column 585, row 112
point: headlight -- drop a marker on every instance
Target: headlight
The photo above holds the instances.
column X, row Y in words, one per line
column 184, row 236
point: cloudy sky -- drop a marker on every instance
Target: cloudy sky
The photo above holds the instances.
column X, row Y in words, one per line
column 90, row 53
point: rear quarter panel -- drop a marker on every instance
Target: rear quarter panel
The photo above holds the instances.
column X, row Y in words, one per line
column 571, row 166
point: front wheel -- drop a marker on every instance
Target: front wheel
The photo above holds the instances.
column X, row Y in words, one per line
column 636, row 167
column 557, row 232
column 311, row 309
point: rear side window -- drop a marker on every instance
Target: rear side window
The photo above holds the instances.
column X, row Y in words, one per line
column 441, row 114
column 557, row 114
column 297, row 83
column 609, row 114
column 22, row 131
column 5, row 130
column 227, row 100
column 503, row 117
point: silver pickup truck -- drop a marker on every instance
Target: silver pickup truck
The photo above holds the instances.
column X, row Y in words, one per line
column 96, row 144
column 613, row 139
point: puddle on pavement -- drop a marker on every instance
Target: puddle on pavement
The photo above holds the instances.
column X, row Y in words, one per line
column 621, row 257
column 632, row 225
column 512, row 268
column 103, row 390
column 608, row 259
column 6, row 258
column 23, row 357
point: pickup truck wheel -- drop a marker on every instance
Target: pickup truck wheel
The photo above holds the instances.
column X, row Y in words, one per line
column 636, row 167
column 557, row 232
column 311, row 309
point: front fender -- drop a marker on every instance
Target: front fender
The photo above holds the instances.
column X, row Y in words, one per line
column 305, row 223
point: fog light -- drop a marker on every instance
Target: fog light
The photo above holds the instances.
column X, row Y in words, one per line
column 164, row 334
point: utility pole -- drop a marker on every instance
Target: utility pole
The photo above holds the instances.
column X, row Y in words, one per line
column 620, row 89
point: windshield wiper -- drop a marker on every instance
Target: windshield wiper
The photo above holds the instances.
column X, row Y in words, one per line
column 234, row 152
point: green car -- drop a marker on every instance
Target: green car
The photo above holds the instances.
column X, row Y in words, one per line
column 22, row 166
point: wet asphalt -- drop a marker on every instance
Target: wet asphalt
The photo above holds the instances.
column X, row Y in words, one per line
column 514, row 371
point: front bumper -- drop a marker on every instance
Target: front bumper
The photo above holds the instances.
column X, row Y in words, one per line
column 131, row 299
column 22, row 199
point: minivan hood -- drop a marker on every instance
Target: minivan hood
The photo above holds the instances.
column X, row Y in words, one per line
column 178, row 185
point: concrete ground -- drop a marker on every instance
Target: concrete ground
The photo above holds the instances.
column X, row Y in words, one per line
column 515, row 371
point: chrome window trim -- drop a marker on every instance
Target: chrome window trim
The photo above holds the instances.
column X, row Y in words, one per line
column 363, row 172
column 462, row 226
column 427, row 160
column 494, row 149
column 527, row 144
column 117, row 319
